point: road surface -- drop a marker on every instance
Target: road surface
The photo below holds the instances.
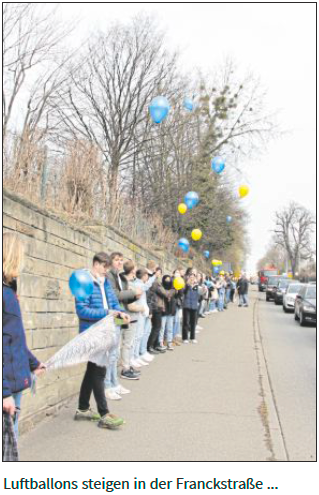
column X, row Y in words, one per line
column 246, row 392
column 290, row 352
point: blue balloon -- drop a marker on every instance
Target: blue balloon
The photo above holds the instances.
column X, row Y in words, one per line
column 206, row 254
column 228, row 219
column 216, row 269
column 218, row 164
column 81, row 284
column 188, row 104
column 191, row 199
column 183, row 244
column 159, row 109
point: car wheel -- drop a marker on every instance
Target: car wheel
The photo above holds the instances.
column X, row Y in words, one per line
column 276, row 302
column 284, row 308
column 296, row 316
column 302, row 319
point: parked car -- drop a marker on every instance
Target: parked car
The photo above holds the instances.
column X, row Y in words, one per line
column 280, row 289
column 305, row 305
column 289, row 298
column 271, row 286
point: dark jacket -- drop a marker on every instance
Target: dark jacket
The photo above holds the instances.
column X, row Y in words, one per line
column 170, row 303
column 242, row 286
column 124, row 294
column 179, row 299
column 156, row 297
column 191, row 297
column 91, row 309
column 18, row 361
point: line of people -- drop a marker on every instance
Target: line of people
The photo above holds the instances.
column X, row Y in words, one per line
column 155, row 318
column 152, row 318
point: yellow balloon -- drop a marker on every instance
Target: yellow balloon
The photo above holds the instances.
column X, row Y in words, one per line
column 182, row 208
column 196, row 234
column 222, row 272
column 243, row 191
column 215, row 262
column 178, row 283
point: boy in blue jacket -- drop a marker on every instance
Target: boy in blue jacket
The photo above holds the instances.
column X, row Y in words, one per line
column 90, row 311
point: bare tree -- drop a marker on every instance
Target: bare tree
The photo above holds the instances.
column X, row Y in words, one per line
column 293, row 229
column 109, row 94
column 33, row 71
column 31, row 39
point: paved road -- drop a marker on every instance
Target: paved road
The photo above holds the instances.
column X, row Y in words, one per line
column 209, row 402
column 290, row 352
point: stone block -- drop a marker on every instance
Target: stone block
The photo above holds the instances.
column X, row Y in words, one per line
column 9, row 222
column 35, row 248
column 33, row 305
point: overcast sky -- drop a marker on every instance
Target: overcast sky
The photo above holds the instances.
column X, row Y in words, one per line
column 274, row 41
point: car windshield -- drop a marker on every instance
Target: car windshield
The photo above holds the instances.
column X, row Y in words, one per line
column 268, row 273
column 293, row 288
column 283, row 284
column 311, row 292
column 272, row 280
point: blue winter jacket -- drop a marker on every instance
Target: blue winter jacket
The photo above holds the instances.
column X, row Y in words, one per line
column 91, row 309
column 18, row 361
column 191, row 297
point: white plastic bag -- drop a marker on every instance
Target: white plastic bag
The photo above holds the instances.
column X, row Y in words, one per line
column 91, row 345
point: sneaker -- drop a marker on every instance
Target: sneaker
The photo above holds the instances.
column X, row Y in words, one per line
column 160, row 348
column 147, row 357
column 110, row 421
column 141, row 362
column 197, row 331
column 194, row 341
column 170, row 347
column 152, row 351
column 130, row 375
column 198, row 327
column 202, row 316
column 135, row 363
column 214, row 311
column 185, row 341
column 111, row 394
column 88, row 415
column 136, row 371
column 178, row 342
column 121, row 390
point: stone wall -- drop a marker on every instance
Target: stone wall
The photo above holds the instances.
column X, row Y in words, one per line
column 53, row 250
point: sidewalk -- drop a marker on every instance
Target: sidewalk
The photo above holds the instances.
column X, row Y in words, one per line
column 198, row 403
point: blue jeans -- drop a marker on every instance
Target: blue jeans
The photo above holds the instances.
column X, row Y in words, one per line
column 17, row 400
column 243, row 300
column 177, row 323
column 146, row 334
column 167, row 329
column 138, row 335
column 221, row 298
column 228, row 295
column 111, row 380
column 202, row 307
column 212, row 304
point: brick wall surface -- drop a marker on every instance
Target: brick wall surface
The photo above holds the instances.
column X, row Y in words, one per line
column 53, row 250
